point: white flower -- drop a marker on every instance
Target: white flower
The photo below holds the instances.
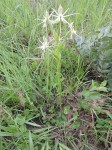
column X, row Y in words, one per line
column 72, row 31
column 46, row 19
column 45, row 44
column 60, row 15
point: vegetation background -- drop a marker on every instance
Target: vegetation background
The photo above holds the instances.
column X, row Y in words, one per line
column 56, row 75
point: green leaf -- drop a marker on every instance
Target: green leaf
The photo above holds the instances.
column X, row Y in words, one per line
column 102, row 89
column 56, row 144
column 47, row 146
column 91, row 95
column 75, row 125
column 56, row 37
column 83, row 104
column 20, row 120
column 66, row 109
column 51, row 109
column 43, row 147
column 31, row 141
column 6, row 134
column 104, row 83
column 9, row 134
column 75, row 115
column 60, row 148
column 10, row 128
column 64, row 146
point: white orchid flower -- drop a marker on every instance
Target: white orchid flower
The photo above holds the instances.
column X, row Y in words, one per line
column 46, row 19
column 72, row 30
column 44, row 44
column 60, row 15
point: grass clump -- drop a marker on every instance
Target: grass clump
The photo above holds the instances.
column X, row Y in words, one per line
column 51, row 96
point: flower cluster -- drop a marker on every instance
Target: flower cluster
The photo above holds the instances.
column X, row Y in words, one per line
column 56, row 17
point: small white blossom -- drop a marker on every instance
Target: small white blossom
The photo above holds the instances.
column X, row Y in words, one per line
column 45, row 44
column 60, row 15
column 72, row 31
column 46, row 19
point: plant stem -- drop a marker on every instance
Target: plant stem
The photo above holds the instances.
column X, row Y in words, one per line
column 59, row 81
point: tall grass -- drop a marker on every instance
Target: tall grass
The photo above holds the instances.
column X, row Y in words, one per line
column 20, row 31
column 29, row 75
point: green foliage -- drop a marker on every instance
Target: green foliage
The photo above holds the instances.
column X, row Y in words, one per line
column 103, row 58
column 92, row 94
column 42, row 69
column 99, row 50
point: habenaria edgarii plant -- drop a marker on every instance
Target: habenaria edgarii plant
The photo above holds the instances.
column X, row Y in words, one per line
column 61, row 15
column 58, row 16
